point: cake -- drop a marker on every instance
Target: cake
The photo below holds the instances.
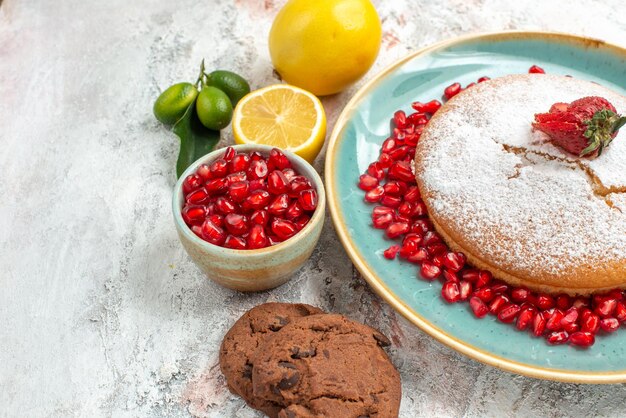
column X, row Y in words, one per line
column 516, row 204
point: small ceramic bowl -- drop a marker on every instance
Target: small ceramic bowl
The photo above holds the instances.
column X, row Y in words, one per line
column 252, row 270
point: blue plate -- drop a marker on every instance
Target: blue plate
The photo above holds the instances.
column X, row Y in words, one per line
column 355, row 142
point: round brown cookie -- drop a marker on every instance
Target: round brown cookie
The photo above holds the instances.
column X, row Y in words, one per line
column 241, row 341
column 327, row 366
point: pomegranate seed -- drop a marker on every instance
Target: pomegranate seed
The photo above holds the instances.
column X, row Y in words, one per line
column 278, row 160
column 536, row 70
column 257, row 170
column 469, row 85
column 563, row 302
column 419, row 210
column 606, row 307
column 383, row 221
column 384, row 160
column 216, row 186
column 236, row 224
column 539, row 324
column 390, row 253
column 401, row 171
column 376, row 170
column 609, row 324
column 399, row 153
column 258, row 199
column 238, row 191
column 559, row 337
column 430, row 107
column 279, row 205
column 484, row 278
column 399, row 119
column 236, row 243
column 415, row 119
column 394, row 188
column 204, row 172
column 450, row 276
column 225, row 205
column 405, row 209
column 590, row 323
column 485, row 294
column 431, row 237
column 616, row 294
column 580, row 303
column 240, row 162
column 429, row 271
column 569, row 320
column 293, row 211
column 218, row 168
column 301, row 222
column 620, row 312
column 283, row 228
column 483, row 79
column 236, row 177
column 289, row 174
column 525, row 318
column 191, row 183
column 256, row 185
column 545, row 302
column 382, row 210
column 308, row 199
column 554, row 317
column 421, row 226
column 213, row 233
column 471, row 275
column 396, row 229
column 465, row 289
column 366, row 182
column 437, row 258
column 508, row 313
column 193, row 215
column 582, row 339
column 388, row 145
column 420, row 255
column 499, row 302
column 273, row 240
column 391, row 201
column 198, row 197
column 229, row 153
column 410, row 244
column 260, row 217
column 257, row 237
column 450, row 292
column 256, row 156
column 412, row 194
column 452, row 90
column 297, row 185
column 454, row 261
column 500, row 288
column 520, row 294
column 478, row 307
column 277, row 182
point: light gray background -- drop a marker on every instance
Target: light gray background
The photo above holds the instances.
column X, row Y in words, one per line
column 101, row 311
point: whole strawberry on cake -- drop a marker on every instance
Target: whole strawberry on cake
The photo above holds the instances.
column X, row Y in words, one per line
column 526, row 175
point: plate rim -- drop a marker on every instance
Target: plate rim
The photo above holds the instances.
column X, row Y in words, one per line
column 473, row 352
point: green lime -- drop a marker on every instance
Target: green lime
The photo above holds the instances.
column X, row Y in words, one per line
column 214, row 108
column 234, row 85
column 173, row 102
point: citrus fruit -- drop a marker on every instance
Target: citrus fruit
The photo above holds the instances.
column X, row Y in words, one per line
column 282, row 116
column 171, row 105
column 234, row 85
column 214, row 108
column 324, row 45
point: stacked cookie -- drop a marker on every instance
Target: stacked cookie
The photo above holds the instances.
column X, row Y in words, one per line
column 294, row 360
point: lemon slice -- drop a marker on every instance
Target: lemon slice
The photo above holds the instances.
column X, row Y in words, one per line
column 281, row 116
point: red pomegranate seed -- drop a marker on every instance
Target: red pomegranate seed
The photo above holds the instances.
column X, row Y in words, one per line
column 191, row 183
column 278, row 160
column 382, row 210
column 569, row 321
column 452, row 90
column 238, row 191
column 388, row 145
column 198, row 197
column 465, row 289
column 609, row 324
column 545, row 302
column 273, row 240
column 213, row 233
column 382, row 221
column 394, row 188
column 485, row 294
column 277, row 182
column 454, row 261
column 401, row 170
column 525, row 318
column 308, row 199
column 437, row 258
column 421, row 226
column 218, row 168
column 297, row 185
column 563, row 302
column 412, row 194
column 366, row 182
column 257, row 237
column 204, row 172
column 399, row 153
column 437, row 249
column 420, row 255
column 193, row 215
column 216, row 186
column 289, row 174
column 396, row 229
column 258, row 199
column 236, row 243
column 554, row 317
column 256, row 156
column 450, row 276
column 606, row 307
column 405, row 209
column 257, row 170
column 240, row 162
column 415, row 119
column 225, row 205
column 283, row 228
column 469, row 85
column 260, row 217
column 229, row 153
column 236, row 224
column 431, row 237
column 301, row 222
column 520, row 294
column 483, row 79
column 484, row 278
column 256, row 185
column 580, row 303
column 582, row 339
column 539, row 324
column 430, row 107
column 620, row 312
column 216, row 219
column 293, row 211
column 616, row 294
column 399, row 119
column 391, row 201
column 419, row 210
column 384, row 160
column 450, row 292
column 536, row 70
column 508, row 313
column 279, row 205
column 478, row 307
column 590, row 323
column 410, row 244
column 236, row 177
column 471, row 275
column 429, row 271
column 499, row 302
column 376, row 170
column 390, row 253
column 559, row 337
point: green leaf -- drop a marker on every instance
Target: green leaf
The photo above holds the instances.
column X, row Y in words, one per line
column 195, row 139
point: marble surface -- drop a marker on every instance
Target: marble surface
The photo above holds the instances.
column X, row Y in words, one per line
column 101, row 311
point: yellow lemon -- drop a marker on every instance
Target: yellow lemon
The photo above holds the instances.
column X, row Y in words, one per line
column 282, row 116
column 324, row 46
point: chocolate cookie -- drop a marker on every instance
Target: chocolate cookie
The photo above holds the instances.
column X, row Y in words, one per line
column 327, row 366
column 242, row 339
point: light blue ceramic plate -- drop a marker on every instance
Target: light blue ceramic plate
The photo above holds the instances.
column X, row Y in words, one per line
column 355, row 142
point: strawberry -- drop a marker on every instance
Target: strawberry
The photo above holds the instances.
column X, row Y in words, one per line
column 584, row 127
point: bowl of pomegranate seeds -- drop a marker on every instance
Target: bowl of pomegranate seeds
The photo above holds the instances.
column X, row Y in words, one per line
column 249, row 215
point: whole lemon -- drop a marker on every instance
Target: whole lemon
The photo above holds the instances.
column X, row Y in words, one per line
column 323, row 46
